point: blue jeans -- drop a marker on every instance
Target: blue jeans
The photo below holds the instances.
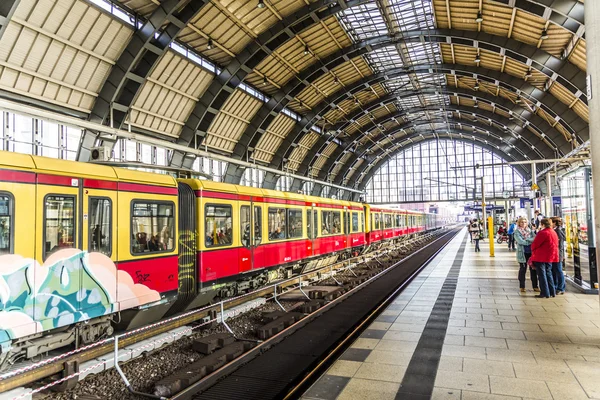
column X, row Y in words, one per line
column 477, row 245
column 558, row 276
column 544, row 273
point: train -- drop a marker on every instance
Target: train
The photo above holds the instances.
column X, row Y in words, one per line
column 86, row 249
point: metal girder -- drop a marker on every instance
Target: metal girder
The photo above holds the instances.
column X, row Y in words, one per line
column 532, row 119
column 359, row 152
column 311, row 118
column 427, row 135
column 7, row 9
column 377, row 159
column 340, row 151
column 566, row 13
column 234, row 73
column 547, row 63
column 144, row 50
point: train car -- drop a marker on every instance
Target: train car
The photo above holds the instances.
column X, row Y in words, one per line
column 246, row 237
column 63, row 258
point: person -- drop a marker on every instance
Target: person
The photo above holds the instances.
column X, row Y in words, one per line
column 474, row 230
column 278, row 234
column 469, row 229
column 153, row 243
column 524, row 237
column 511, row 235
column 557, row 267
column 538, row 218
column 544, row 252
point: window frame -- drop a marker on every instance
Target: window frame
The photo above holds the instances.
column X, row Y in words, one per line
column 110, row 223
column 204, row 225
column 44, row 219
column 285, row 231
column 287, row 223
column 242, row 230
column 131, row 216
column 11, row 219
column 352, row 215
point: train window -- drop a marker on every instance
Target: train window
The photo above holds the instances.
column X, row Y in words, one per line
column 245, row 225
column 398, row 221
column 355, row 222
column 294, row 223
column 387, row 220
column 6, row 222
column 376, row 218
column 257, row 225
column 100, row 225
column 331, row 223
column 152, row 227
column 277, row 224
column 218, row 225
column 59, row 223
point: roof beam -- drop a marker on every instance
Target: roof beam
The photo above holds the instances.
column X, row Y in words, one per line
column 127, row 76
column 311, row 118
column 7, row 9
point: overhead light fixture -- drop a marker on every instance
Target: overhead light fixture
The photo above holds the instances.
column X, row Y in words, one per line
column 306, row 50
column 518, row 100
column 544, row 34
column 528, row 73
column 265, row 81
column 476, row 87
column 209, row 45
column 261, row 4
column 336, row 80
column 477, row 59
column 476, row 105
column 356, row 101
column 479, row 18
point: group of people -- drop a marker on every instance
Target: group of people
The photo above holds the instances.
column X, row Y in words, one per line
column 540, row 247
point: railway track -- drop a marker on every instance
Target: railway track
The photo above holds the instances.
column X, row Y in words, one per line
column 64, row 369
column 282, row 366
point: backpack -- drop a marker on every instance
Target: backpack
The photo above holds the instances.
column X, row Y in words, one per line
column 511, row 228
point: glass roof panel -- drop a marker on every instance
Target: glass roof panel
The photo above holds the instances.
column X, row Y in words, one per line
column 364, row 21
column 411, row 15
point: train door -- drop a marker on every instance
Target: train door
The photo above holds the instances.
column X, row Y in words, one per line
column 311, row 229
column 59, row 235
column 258, row 256
column 246, row 233
column 99, row 231
column 347, row 235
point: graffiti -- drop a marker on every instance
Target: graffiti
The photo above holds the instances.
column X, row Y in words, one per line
column 187, row 261
column 141, row 277
column 71, row 286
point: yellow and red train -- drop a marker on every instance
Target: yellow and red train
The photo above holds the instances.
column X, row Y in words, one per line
column 83, row 243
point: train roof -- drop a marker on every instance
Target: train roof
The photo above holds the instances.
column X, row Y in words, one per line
column 200, row 184
column 25, row 162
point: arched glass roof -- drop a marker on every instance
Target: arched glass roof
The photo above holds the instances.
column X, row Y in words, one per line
column 443, row 170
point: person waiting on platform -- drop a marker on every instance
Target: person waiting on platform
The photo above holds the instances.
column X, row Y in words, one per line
column 544, row 252
column 511, row 235
column 475, row 234
column 524, row 237
column 557, row 267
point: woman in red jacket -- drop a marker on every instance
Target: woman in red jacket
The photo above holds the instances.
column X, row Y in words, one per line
column 544, row 251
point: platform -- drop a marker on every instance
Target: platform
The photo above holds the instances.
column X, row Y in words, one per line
column 462, row 330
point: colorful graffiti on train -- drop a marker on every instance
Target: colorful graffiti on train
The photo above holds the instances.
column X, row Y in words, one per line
column 71, row 286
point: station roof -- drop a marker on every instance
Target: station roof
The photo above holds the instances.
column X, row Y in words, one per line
column 327, row 88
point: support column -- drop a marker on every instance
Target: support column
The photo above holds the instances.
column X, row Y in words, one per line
column 592, row 35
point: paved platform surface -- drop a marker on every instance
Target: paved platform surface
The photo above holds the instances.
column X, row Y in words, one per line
column 462, row 330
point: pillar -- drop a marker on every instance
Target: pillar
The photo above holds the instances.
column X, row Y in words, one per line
column 592, row 36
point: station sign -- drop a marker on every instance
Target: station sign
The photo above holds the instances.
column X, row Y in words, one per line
column 524, row 200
